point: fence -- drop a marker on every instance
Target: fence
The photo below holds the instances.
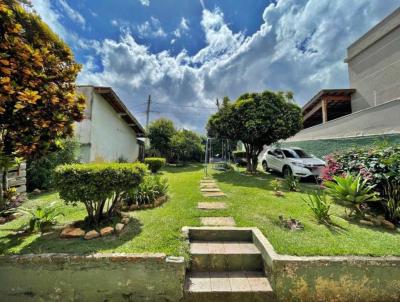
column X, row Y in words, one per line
column 17, row 178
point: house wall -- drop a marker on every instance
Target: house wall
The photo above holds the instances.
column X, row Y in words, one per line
column 111, row 137
column 374, row 64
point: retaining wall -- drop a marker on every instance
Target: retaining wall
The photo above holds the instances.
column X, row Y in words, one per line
column 330, row 278
column 100, row 277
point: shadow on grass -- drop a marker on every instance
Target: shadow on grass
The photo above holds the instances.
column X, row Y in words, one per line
column 51, row 242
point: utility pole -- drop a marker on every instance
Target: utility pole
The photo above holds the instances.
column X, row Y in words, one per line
column 148, row 112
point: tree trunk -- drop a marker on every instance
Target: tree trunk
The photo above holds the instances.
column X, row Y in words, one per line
column 254, row 163
column 2, row 201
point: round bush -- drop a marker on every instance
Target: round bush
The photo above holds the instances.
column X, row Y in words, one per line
column 100, row 187
column 154, row 163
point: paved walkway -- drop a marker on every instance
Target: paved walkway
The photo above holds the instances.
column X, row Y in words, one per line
column 209, row 188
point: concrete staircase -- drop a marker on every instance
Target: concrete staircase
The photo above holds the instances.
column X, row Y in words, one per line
column 225, row 266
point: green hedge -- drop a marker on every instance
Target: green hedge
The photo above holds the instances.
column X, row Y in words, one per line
column 324, row 147
column 155, row 163
column 101, row 187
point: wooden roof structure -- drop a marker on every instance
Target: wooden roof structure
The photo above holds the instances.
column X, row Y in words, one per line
column 326, row 105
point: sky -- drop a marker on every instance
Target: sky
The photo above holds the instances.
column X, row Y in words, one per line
column 188, row 53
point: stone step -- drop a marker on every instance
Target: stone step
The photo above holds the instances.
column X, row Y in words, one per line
column 225, row 256
column 217, row 221
column 210, row 190
column 244, row 286
column 211, row 205
column 213, row 194
column 220, row 234
column 208, row 186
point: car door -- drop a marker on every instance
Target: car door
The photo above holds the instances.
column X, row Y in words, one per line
column 279, row 160
column 272, row 159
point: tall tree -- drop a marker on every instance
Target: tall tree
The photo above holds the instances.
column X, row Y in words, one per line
column 257, row 119
column 161, row 132
column 38, row 103
column 187, row 145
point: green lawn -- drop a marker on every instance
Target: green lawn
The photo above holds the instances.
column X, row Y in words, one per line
column 251, row 203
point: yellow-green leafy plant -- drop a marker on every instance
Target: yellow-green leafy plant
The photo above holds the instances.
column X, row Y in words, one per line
column 42, row 218
column 320, row 206
column 351, row 190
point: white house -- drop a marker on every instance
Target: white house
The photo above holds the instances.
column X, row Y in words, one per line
column 108, row 131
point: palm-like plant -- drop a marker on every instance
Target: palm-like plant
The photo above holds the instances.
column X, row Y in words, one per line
column 320, row 206
column 41, row 217
column 351, row 190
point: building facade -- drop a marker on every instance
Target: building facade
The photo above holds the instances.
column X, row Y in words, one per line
column 108, row 131
column 371, row 106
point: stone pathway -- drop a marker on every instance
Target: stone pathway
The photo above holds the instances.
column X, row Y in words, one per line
column 211, row 205
column 217, row 221
column 209, row 188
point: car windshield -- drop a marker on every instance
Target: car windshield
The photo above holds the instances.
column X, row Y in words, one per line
column 301, row 153
column 295, row 153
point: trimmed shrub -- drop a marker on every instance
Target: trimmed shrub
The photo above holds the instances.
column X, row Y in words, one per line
column 154, row 163
column 151, row 188
column 100, row 187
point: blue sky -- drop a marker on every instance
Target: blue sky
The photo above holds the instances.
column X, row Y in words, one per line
column 187, row 53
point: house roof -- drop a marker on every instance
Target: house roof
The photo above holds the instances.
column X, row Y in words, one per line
column 323, row 93
column 112, row 98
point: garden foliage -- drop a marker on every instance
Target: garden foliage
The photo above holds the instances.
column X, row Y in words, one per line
column 38, row 102
column 378, row 164
column 100, row 187
column 40, row 171
column 351, row 190
column 154, row 163
column 151, row 188
column 320, row 206
column 41, row 218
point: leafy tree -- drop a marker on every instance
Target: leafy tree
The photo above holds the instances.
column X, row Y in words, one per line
column 40, row 171
column 187, row 145
column 257, row 119
column 161, row 132
column 38, row 103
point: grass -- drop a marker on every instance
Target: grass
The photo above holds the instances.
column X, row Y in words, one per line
column 250, row 201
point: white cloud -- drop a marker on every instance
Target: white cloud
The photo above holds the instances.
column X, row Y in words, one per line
column 151, row 28
column 181, row 29
column 145, row 2
column 72, row 14
column 300, row 46
column 114, row 22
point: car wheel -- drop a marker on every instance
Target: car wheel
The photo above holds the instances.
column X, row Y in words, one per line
column 287, row 172
column 265, row 166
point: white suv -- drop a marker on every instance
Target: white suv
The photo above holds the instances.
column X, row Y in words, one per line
column 292, row 161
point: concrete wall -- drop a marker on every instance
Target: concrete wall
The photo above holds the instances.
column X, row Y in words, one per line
column 103, row 134
column 337, row 279
column 324, row 278
column 111, row 137
column 382, row 119
column 374, row 64
column 113, row 277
